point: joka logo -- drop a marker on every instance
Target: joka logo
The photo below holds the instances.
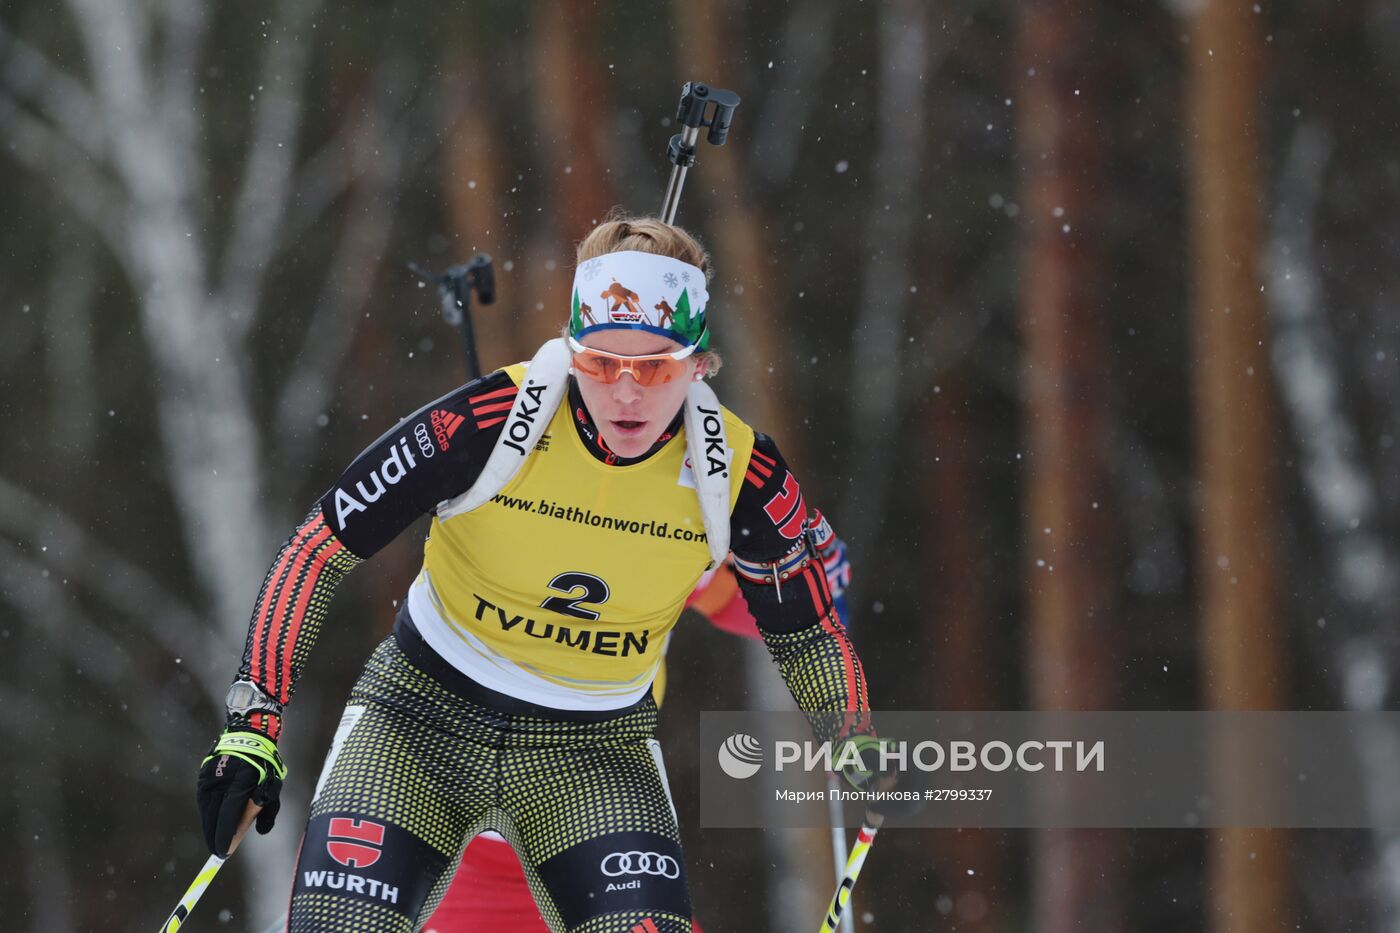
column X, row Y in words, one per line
column 740, row 756
column 362, row 853
column 712, row 428
column 445, row 424
column 522, row 415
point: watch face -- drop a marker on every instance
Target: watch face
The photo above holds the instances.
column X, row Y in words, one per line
column 244, row 696
column 240, row 697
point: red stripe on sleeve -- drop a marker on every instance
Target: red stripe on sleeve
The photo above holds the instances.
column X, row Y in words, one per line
column 483, row 425
column 763, row 457
column 284, row 596
column 819, row 569
column 318, row 563
column 854, row 689
column 498, row 406
column 270, row 725
column 261, row 629
column 508, row 390
column 815, row 589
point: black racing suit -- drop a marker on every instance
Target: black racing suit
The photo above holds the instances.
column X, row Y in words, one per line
column 426, row 757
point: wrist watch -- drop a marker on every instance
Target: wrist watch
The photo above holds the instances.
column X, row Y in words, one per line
column 245, row 697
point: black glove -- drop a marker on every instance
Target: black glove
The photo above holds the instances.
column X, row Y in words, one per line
column 242, row 766
column 864, row 769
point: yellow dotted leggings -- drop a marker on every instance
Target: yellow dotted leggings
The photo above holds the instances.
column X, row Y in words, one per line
column 426, row 759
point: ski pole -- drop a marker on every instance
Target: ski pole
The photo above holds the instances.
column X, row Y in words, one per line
column 207, row 873
column 859, row 851
column 694, row 112
column 838, row 842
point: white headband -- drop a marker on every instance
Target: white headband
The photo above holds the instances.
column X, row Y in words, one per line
column 632, row 290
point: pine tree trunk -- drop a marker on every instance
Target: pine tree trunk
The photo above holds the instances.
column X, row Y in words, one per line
column 1241, row 616
column 753, row 341
column 959, row 640
column 716, row 189
column 1073, row 615
column 573, row 113
column 474, row 180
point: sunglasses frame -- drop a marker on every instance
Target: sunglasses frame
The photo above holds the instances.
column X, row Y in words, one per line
column 628, row 361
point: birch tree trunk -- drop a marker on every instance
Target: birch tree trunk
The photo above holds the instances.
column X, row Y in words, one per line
column 130, row 135
column 878, row 336
column 1363, row 565
column 202, row 401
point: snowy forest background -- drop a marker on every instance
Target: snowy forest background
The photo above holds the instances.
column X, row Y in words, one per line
column 1078, row 318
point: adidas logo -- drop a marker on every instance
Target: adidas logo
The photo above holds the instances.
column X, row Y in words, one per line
column 445, row 424
column 646, row 926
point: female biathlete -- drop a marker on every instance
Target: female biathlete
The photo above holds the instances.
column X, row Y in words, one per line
column 489, row 890
column 576, row 500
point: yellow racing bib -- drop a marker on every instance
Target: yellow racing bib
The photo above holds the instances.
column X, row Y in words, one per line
column 575, row 572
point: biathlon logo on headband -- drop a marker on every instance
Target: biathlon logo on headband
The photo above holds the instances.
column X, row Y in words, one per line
column 632, row 290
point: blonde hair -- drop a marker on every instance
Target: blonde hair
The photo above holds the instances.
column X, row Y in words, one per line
column 619, row 232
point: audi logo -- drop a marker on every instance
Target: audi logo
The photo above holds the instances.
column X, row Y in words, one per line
column 425, row 444
column 640, row 863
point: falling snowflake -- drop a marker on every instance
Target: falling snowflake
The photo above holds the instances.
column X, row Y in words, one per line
column 670, row 279
column 685, row 276
column 590, row 269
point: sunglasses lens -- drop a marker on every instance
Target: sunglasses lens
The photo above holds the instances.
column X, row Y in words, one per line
column 602, row 368
column 609, row 369
column 656, row 372
column 647, row 370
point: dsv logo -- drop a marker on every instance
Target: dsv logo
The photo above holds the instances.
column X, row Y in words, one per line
column 640, row 863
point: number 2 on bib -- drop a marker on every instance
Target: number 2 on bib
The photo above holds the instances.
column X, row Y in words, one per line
column 594, row 591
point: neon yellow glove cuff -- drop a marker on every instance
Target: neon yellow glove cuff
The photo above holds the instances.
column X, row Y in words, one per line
column 853, row 763
column 258, row 750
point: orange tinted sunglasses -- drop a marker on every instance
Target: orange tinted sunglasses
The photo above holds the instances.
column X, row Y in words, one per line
column 607, row 368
